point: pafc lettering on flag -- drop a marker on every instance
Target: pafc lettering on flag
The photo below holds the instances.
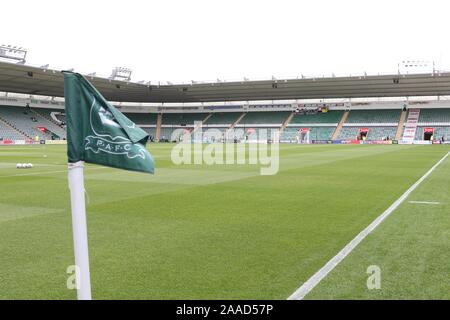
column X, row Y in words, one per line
column 109, row 137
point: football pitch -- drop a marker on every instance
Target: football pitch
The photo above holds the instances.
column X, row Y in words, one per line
column 227, row 232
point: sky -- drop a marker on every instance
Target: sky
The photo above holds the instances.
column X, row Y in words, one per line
column 205, row 40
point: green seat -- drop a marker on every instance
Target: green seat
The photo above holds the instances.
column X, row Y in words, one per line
column 223, row 118
column 326, row 117
column 434, row 115
column 265, row 117
column 374, row 116
column 142, row 118
column 182, row 118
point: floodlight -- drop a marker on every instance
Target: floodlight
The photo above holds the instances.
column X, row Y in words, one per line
column 13, row 53
column 121, row 73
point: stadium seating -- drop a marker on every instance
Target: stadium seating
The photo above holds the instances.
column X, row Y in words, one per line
column 223, row 118
column 381, row 133
column 213, row 134
column 174, row 123
column 182, row 118
column 348, row 133
column 47, row 113
column 214, row 129
column 267, row 117
column 8, row 133
column 142, row 118
column 419, row 133
column 26, row 120
column 45, row 119
column 22, row 123
column 439, row 132
column 262, row 134
column 315, row 133
column 321, row 133
column 236, row 133
column 374, row 116
column 166, row 133
column 374, row 133
column 331, row 117
column 151, row 131
column 172, row 133
column 289, row 134
column 434, row 116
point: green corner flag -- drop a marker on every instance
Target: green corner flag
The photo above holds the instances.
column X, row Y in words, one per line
column 96, row 133
column 99, row 133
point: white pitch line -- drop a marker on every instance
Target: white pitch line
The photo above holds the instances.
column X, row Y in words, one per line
column 32, row 173
column 301, row 292
column 424, row 202
column 44, row 172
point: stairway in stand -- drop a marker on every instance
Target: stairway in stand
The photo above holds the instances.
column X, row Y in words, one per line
column 286, row 122
column 411, row 125
column 400, row 125
column 338, row 129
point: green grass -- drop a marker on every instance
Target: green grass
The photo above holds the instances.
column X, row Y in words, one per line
column 222, row 232
column 411, row 248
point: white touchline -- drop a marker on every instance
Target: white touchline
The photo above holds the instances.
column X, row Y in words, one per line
column 330, row 265
column 424, row 202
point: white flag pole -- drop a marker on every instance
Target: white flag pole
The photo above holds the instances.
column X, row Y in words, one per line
column 79, row 227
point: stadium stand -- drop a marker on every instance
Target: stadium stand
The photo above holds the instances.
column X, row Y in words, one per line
column 289, row 134
column 381, row 133
column 180, row 119
column 174, row 124
column 223, row 118
column 374, row 133
column 419, row 133
column 260, row 134
column 330, row 117
column 45, row 119
column 321, row 133
column 434, row 116
column 237, row 133
column 348, row 133
column 382, row 124
column 142, row 118
column 264, row 117
column 165, row 133
column 214, row 134
column 19, row 123
column 173, row 133
column 439, row 132
column 151, row 132
column 321, row 125
column 8, row 133
column 374, row 116
column 24, row 119
column 315, row 133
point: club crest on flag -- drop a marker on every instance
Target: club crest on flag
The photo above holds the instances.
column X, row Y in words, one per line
column 108, row 136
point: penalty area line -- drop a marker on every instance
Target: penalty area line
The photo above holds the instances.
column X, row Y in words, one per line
column 305, row 288
column 424, row 202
